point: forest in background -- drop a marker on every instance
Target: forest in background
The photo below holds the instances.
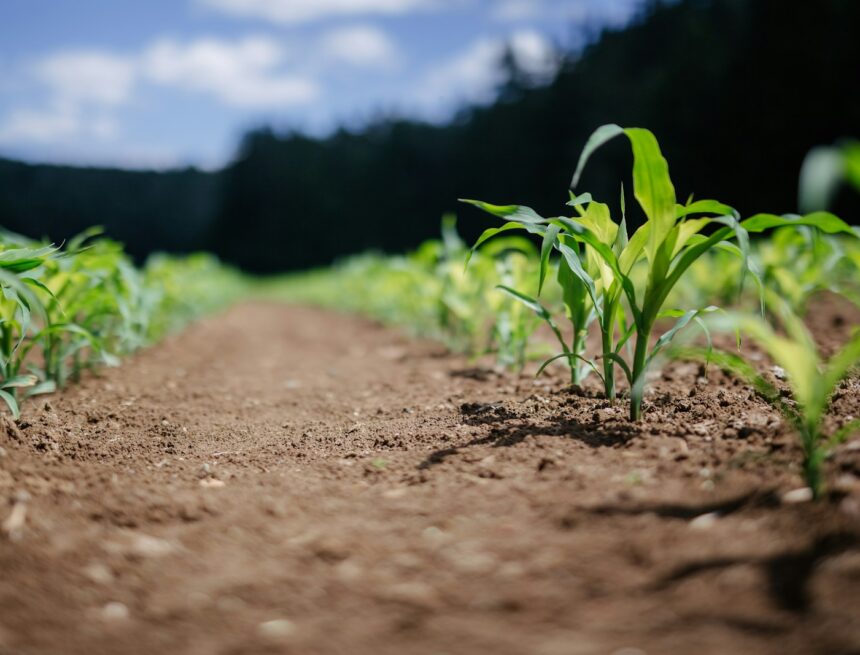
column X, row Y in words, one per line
column 737, row 91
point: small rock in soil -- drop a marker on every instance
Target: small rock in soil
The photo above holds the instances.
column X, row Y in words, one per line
column 99, row 573
column 115, row 611
column 142, row 545
column 704, row 521
column 276, row 629
column 801, row 495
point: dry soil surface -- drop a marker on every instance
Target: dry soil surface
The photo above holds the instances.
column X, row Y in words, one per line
column 286, row 480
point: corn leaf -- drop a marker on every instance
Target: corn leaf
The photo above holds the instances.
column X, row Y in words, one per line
column 652, row 186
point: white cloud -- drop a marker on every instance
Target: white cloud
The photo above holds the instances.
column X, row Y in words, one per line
column 534, row 53
column 84, row 88
column 243, row 73
column 53, row 124
column 475, row 74
column 79, row 77
column 472, row 74
column 302, row 11
column 39, row 126
column 360, row 46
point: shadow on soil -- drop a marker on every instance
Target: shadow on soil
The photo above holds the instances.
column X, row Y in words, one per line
column 508, row 430
column 787, row 573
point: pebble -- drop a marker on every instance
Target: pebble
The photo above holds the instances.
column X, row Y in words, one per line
column 99, row 573
column 276, row 629
column 212, row 483
column 115, row 611
column 144, row 545
column 704, row 521
column 434, row 535
column 846, row 483
column 801, row 495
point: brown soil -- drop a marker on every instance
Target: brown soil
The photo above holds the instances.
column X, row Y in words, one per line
column 286, row 480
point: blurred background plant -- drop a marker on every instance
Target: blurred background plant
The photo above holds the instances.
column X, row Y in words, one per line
column 73, row 308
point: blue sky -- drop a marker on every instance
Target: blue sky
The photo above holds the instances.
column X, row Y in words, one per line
column 162, row 83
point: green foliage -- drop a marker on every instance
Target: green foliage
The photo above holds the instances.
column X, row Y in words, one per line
column 67, row 309
column 430, row 292
column 626, row 280
column 795, row 262
column 824, row 170
column 811, row 378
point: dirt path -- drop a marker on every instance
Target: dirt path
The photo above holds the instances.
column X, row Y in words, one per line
column 282, row 479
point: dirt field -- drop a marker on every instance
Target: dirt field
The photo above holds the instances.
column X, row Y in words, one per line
column 286, row 480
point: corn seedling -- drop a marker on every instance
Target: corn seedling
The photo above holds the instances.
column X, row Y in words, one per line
column 66, row 309
column 812, row 379
column 626, row 280
column 428, row 292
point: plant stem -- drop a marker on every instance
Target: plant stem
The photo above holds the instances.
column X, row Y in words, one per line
column 6, row 346
column 812, row 460
column 577, row 347
column 640, row 354
column 608, row 364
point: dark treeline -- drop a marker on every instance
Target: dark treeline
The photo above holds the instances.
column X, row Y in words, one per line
column 147, row 211
column 737, row 92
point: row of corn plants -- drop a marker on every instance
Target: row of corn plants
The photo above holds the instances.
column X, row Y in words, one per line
column 70, row 308
column 639, row 290
column 693, row 263
column 429, row 292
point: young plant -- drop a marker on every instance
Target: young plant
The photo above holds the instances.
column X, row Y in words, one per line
column 66, row 309
column 20, row 304
column 513, row 322
column 605, row 260
column 600, row 256
column 811, row 378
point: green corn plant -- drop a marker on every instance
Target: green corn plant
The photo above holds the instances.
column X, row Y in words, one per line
column 513, row 323
column 66, row 309
column 21, row 312
column 579, row 305
column 669, row 242
column 812, row 379
column 428, row 292
column 798, row 263
column 598, row 258
column 86, row 324
column 635, row 275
